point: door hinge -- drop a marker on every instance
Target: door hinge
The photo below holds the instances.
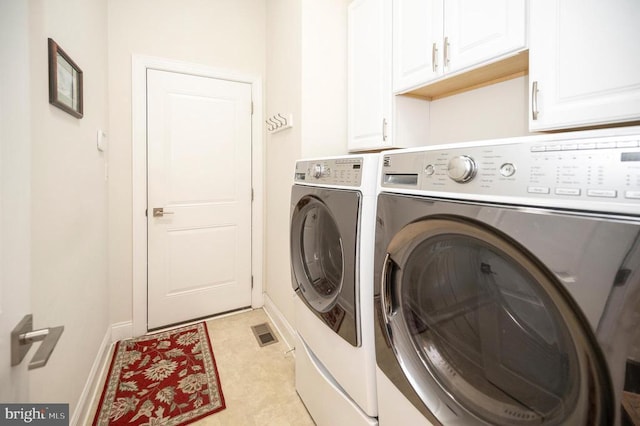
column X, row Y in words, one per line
column 145, row 212
column 251, row 107
column 251, row 282
column 251, row 194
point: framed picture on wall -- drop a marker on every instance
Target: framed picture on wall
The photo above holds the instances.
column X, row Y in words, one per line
column 65, row 81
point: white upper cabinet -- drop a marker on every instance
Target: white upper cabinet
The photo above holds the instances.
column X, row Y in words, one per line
column 584, row 63
column 481, row 31
column 417, row 42
column 369, row 75
column 378, row 119
column 433, row 39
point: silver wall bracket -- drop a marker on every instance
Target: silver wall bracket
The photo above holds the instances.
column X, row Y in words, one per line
column 23, row 336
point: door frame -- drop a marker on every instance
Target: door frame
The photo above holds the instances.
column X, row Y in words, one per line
column 140, row 64
column 16, row 122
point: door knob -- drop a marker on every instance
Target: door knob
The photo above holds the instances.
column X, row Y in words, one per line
column 23, row 336
column 159, row 212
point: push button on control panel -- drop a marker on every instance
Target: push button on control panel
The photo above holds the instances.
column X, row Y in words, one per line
column 429, row 169
column 627, row 144
column 634, row 195
column 568, row 191
column 602, row 193
column 605, row 145
column 507, row 170
column 538, row 190
column 587, row 145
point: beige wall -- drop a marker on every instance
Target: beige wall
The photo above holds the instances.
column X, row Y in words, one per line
column 68, row 198
column 324, row 78
column 225, row 34
column 306, row 76
column 496, row 111
column 284, row 65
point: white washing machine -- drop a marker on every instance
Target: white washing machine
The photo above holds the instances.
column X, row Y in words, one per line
column 508, row 282
column 332, row 229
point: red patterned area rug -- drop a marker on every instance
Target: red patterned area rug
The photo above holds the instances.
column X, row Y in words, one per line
column 167, row 378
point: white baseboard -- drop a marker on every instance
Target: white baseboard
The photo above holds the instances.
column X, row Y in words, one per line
column 121, row 330
column 285, row 329
column 92, row 388
column 83, row 414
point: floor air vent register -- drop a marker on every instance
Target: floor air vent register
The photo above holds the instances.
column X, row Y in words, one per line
column 263, row 334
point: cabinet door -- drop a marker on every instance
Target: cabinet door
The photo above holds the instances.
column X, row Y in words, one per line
column 417, row 42
column 584, row 63
column 369, row 74
column 478, row 32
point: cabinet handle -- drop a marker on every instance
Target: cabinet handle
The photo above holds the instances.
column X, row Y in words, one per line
column 434, row 57
column 534, row 100
column 384, row 129
column 446, row 51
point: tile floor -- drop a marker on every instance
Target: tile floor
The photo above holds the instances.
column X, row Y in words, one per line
column 257, row 382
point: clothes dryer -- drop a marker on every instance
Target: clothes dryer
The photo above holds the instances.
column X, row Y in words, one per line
column 508, row 282
column 332, row 229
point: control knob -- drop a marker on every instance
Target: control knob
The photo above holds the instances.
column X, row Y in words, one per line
column 462, row 168
column 319, row 170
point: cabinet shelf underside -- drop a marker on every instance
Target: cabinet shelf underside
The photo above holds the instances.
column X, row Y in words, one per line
column 505, row 69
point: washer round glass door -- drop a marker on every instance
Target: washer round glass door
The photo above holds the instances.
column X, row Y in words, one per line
column 472, row 311
column 319, row 259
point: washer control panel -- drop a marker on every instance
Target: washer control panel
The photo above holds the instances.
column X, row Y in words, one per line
column 600, row 173
column 333, row 171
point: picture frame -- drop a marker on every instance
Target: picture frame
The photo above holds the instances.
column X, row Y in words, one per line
column 65, row 81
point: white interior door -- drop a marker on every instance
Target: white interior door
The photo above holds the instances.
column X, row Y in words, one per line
column 15, row 194
column 199, row 173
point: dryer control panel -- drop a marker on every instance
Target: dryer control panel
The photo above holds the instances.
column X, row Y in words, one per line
column 583, row 171
column 334, row 171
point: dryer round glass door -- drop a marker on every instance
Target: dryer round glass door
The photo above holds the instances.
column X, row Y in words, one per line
column 319, row 262
column 472, row 311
